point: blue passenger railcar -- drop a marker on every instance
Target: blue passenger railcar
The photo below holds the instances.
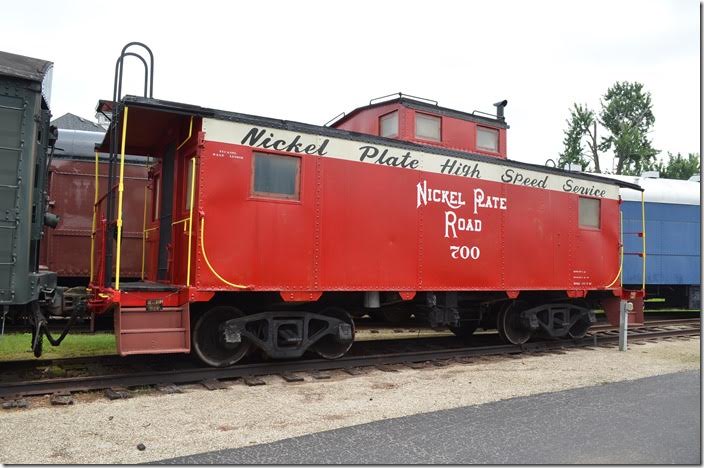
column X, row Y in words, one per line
column 673, row 242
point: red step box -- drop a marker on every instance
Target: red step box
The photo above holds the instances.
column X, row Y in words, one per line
column 139, row 331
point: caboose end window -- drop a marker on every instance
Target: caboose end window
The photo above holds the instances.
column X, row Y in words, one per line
column 589, row 212
column 276, row 176
column 427, row 127
column 388, row 125
column 488, row 139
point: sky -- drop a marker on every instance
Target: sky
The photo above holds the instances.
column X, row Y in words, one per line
column 310, row 60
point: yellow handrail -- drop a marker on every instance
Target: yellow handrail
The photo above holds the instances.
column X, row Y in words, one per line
column 184, row 221
column 190, row 218
column 95, row 209
column 120, row 189
column 190, row 131
column 205, row 257
column 144, row 230
column 620, row 266
column 642, row 217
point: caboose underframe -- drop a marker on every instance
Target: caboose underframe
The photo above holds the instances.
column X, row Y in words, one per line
column 272, row 234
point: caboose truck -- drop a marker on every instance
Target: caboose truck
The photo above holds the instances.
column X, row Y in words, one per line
column 270, row 234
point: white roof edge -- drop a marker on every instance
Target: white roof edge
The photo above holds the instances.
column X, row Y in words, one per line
column 675, row 191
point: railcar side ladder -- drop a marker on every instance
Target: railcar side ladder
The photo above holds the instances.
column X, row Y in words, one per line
column 636, row 296
column 112, row 224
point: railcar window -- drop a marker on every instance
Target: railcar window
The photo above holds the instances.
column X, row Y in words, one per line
column 589, row 212
column 276, row 176
column 388, row 125
column 488, row 139
column 427, row 127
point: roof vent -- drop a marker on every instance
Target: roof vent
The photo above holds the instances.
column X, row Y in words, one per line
column 500, row 109
column 650, row 175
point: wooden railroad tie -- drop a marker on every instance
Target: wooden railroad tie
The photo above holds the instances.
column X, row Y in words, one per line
column 118, row 393
column 253, row 381
column 291, row 377
column 213, row 384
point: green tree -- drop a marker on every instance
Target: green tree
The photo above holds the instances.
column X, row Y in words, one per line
column 679, row 167
column 581, row 124
column 627, row 115
column 574, row 150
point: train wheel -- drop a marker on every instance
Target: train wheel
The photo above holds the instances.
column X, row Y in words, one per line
column 510, row 327
column 330, row 347
column 209, row 343
column 579, row 329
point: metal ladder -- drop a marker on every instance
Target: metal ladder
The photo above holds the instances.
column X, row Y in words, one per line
column 113, row 231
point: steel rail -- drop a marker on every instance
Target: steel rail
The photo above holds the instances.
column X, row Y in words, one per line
column 185, row 376
column 649, row 323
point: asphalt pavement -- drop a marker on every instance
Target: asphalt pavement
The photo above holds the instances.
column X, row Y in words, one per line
column 650, row 420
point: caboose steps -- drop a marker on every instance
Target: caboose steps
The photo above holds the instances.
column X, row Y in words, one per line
column 142, row 331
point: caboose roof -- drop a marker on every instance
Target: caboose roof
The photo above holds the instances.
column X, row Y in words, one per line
column 19, row 66
column 427, row 107
column 144, row 124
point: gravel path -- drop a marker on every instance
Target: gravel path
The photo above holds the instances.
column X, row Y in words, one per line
column 99, row 431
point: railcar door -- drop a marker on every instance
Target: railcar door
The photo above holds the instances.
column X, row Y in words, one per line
column 183, row 232
column 152, row 212
column 167, row 223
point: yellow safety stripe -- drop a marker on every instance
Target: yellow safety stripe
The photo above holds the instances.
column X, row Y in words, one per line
column 190, row 218
column 207, row 262
column 120, row 190
column 620, row 266
column 190, row 130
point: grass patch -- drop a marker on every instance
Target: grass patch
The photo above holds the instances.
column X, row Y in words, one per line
column 17, row 346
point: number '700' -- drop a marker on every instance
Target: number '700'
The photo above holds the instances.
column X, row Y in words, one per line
column 464, row 252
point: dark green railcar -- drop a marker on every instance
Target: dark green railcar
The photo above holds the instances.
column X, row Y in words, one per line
column 26, row 139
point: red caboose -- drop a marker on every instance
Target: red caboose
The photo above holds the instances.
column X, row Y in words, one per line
column 272, row 234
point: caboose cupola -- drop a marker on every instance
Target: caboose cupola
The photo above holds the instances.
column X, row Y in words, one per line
column 422, row 121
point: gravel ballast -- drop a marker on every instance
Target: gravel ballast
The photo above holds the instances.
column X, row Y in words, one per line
column 156, row 426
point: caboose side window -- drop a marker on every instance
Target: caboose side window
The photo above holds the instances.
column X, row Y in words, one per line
column 589, row 212
column 427, row 127
column 388, row 125
column 488, row 139
column 276, row 176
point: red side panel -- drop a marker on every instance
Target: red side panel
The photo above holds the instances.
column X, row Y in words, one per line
column 250, row 240
column 368, row 227
column 361, row 226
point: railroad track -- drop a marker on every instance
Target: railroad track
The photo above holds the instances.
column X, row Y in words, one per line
column 374, row 356
column 648, row 323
